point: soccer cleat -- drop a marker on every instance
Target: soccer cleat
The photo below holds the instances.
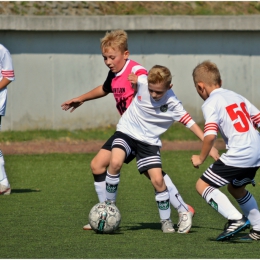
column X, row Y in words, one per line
column 191, row 209
column 87, row 227
column 185, row 222
column 167, row 226
column 232, row 227
column 253, row 235
column 5, row 190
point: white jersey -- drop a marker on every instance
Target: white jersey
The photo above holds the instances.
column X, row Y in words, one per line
column 146, row 119
column 6, row 71
column 236, row 118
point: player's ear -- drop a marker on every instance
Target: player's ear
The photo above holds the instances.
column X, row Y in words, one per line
column 200, row 86
column 170, row 86
column 126, row 54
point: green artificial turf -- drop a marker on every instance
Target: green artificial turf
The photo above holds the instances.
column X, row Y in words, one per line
column 52, row 195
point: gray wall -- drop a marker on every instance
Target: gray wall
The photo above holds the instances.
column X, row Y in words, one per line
column 57, row 58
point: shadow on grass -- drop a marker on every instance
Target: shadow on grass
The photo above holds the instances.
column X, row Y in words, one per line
column 24, row 190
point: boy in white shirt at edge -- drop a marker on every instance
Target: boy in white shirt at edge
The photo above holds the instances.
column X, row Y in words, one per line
column 152, row 111
column 6, row 77
column 236, row 119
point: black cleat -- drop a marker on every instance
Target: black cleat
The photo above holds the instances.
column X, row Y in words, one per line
column 253, row 235
column 232, row 227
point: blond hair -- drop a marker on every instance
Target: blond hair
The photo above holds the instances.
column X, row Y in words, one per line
column 207, row 72
column 115, row 39
column 159, row 74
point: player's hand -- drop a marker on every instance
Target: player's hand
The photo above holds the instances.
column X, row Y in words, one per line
column 73, row 103
column 196, row 161
column 214, row 153
column 133, row 78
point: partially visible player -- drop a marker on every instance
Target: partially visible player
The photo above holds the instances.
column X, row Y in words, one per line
column 115, row 51
column 236, row 118
column 6, row 77
column 153, row 110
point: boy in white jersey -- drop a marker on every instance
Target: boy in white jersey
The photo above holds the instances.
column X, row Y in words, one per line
column 6, row 77
column 236, row 118
column 114, row 49
column 153, row 110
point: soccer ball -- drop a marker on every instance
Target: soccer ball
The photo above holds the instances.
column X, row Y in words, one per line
column 104, row 217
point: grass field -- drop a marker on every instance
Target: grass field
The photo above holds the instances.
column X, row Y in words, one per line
column 52, row 195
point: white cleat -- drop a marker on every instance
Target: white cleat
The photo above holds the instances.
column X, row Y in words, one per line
column 87, row 227
column 5, row 190
column 185, row 222
column 167, row 226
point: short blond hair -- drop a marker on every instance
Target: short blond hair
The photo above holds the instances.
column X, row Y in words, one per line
column 159, row 74
column 207, row 72
column 115, row 39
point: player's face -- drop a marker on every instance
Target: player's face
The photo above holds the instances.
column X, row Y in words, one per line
column 114, row 58
column 158, row 90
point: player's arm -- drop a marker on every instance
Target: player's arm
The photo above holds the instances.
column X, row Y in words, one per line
column 4, row 82
column 205, row 150
column 73, row 103
column 213, row 152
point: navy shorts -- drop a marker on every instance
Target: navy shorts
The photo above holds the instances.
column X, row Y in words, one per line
column 219, row 174
column 147, row 156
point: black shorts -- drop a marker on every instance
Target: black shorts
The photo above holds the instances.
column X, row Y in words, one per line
column 219, row 174
column 147, row 156
column 108, row 146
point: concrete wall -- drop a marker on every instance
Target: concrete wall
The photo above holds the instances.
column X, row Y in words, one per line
column 57, row 58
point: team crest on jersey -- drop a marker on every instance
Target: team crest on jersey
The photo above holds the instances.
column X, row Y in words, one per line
column 164, row 108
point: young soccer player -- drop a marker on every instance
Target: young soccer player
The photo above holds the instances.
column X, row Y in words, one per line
column 6, row 76
column 152, row 111
column 115, row 51
column 236, row 118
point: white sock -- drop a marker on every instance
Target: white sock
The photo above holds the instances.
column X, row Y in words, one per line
column 3, row 176
column 100, row 188
column 112, row 182
column 250, row 209
column 175, row 198
column 220, row 202
column 162, row 199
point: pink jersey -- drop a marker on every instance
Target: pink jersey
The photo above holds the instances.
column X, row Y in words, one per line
column 120, row 86
column 236, row 118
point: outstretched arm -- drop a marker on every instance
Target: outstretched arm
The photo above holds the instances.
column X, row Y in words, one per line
column 213, row 152
column 73, row 103
column 206, row 147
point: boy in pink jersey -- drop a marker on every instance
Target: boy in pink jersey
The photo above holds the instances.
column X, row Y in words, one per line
column 115, row 52
column 236, row 119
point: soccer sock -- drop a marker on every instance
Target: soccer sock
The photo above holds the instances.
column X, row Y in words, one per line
column 250, row 209
column 175, row 198
column 100, row 186
column 3, row 176
column 220, row 202
column 162, row 199
column 111, row 186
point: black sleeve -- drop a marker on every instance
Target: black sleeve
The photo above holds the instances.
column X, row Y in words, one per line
column 107, row 84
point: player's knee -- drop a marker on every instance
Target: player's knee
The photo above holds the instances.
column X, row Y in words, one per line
column 115, row 164
column 96, row 167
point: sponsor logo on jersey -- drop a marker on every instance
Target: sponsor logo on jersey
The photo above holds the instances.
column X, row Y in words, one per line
column 139, row 98
column 164, row 108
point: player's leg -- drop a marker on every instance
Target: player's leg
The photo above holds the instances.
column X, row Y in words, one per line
column 5, row 188
column 247, row 202
column 99, row 166
column 122, row 147
column 207, row 186
column 113, row 173
column 148, row 159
